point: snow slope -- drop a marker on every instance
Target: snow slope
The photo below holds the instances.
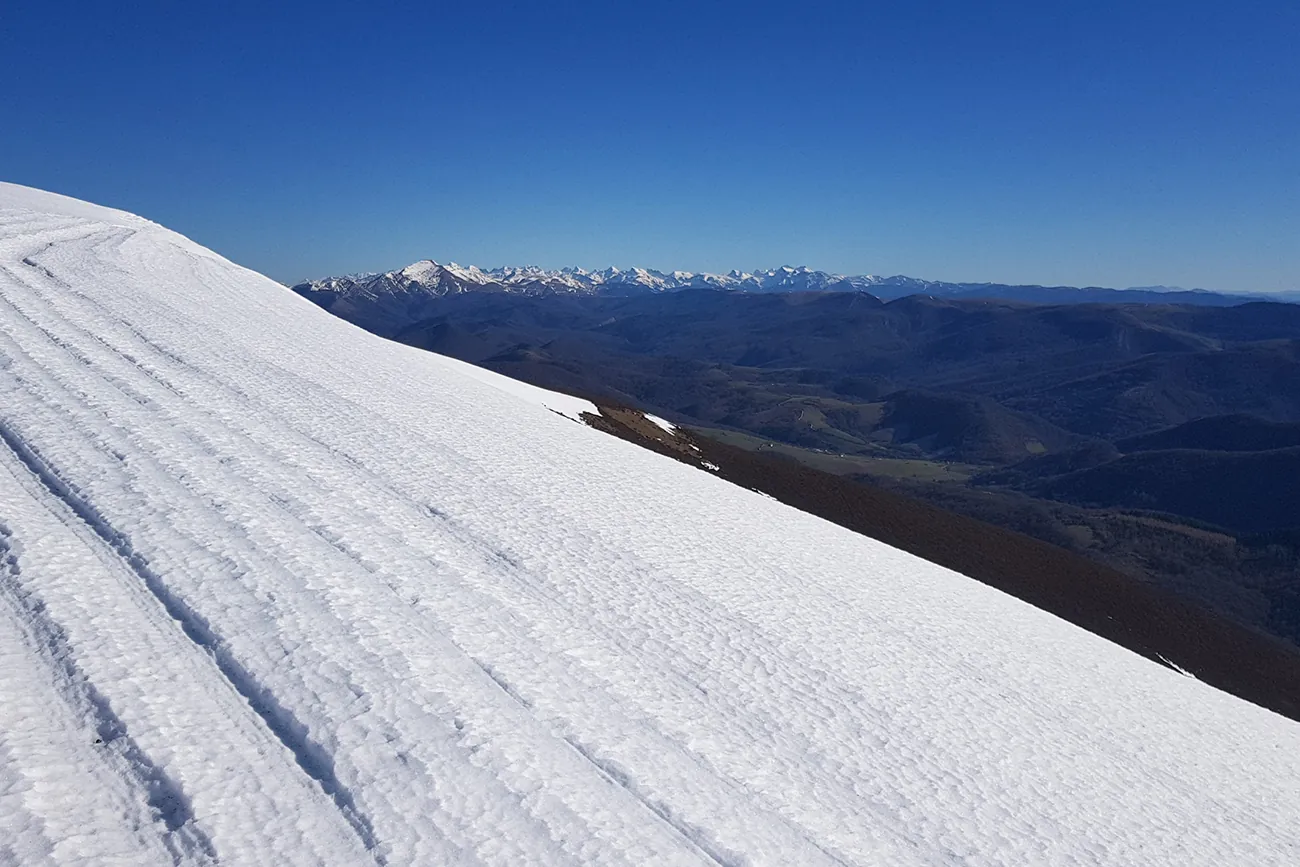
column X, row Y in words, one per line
column 274, row 591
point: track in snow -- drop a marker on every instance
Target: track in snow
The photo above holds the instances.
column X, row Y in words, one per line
column 170, row 803
column 339, row 601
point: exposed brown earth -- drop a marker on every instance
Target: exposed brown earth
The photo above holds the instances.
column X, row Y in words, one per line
column 620, row 420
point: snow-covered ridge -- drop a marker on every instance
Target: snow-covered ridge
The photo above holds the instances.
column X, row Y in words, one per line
column 430, row 280
column 430, row 277
column 276, row 591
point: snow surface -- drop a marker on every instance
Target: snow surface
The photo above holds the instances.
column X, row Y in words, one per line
column 663, row 423
column 274, row 591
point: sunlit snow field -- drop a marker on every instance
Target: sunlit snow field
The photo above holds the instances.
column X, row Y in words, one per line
column 275, row 591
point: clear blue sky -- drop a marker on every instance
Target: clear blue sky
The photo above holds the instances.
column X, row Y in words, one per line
column 1100, row 143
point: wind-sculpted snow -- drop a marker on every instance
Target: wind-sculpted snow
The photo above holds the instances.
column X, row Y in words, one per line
column 274, row 591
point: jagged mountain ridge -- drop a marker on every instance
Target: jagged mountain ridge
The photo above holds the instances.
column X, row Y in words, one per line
column 450, row 278
column 430, row 279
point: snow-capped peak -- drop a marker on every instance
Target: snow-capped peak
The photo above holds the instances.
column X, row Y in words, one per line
column 421, row 271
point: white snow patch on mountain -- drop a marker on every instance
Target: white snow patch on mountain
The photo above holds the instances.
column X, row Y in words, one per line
column 275, row 591
column 661, row 422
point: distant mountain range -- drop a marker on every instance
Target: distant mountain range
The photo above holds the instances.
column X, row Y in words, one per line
column 429, row 279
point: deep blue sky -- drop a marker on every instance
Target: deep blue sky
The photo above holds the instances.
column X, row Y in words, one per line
column 1085, row 143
